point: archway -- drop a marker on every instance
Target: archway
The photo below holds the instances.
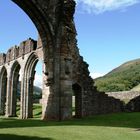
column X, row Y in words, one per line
column 3, row 90
column 77, row 100
column 28, row 87
column 43, row 15
column 54, row 22
column 35, row 10
column 14, row 87
column 37, row 90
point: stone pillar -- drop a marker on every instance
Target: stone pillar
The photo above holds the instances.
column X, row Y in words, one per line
column 57, row 87
column 65, row 88
column 57, row 93
column 14, row 95
column 27, row 98
column 8, row 98
column 3, row 89
column 22, row 99
column 30, row 98
column 67, row 40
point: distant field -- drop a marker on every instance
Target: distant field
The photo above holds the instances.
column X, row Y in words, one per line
column 122, row 126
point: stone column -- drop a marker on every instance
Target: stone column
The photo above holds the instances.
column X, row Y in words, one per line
column 8, row 98
column 26, row 102
column 57, row 93
column 3, row 89
column 22, row 99
column 14, row 95
column 68, row 35
column 27, row 98
column 1, row 100
column 30, row 98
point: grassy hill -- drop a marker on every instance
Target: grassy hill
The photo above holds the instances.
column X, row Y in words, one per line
column 125, row 77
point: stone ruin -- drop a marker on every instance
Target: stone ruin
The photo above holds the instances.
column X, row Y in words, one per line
column 64, row 71
column 88, row 100
column 133, row 105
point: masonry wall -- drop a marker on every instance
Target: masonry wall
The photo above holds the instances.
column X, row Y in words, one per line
column 93, row 101
column 16, row 52
column 17, row 56
column 124, row 94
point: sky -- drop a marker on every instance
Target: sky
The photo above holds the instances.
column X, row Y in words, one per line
column 108, row 31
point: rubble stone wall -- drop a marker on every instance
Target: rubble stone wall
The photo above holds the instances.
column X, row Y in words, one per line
column 15, row 52
column 64, row 70
column 124, row 94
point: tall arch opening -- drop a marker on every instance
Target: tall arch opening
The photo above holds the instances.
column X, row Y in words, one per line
column 48, row 17
column 37, row 15
column 3, row 90
column 77, row 100
column 29, row 88
column 37, row 90
column 15, row 73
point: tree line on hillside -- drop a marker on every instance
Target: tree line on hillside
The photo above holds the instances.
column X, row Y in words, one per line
column 122, row 79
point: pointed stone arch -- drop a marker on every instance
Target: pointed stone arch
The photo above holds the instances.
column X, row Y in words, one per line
column 3, row 89
column 41, row 14
column 14, row 76
column 27, row 86
column 46, row 17
column 62, row 64
column 54, row 22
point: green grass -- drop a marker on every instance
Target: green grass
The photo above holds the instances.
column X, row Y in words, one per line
column 121, row 126
column 37, row 110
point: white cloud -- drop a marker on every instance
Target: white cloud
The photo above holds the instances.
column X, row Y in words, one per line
column 96, row 75
column 38, row 80
column 100, row 6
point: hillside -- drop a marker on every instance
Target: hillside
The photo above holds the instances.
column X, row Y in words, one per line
column 37, row 94
column 123, row 78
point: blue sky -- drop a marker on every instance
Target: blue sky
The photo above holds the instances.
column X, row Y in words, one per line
column 108, row 31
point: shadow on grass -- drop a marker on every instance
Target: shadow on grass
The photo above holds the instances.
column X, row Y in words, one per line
column 17, row 137
column 38, row 114
column 130, row 120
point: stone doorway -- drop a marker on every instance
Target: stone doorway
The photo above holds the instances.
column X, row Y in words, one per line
column 77, row 100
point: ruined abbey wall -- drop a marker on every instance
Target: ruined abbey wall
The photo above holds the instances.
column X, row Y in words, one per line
column 64, row 71
column 12, row 65
column 16, row 52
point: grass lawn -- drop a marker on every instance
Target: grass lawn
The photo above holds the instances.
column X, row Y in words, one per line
column 122, row 126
